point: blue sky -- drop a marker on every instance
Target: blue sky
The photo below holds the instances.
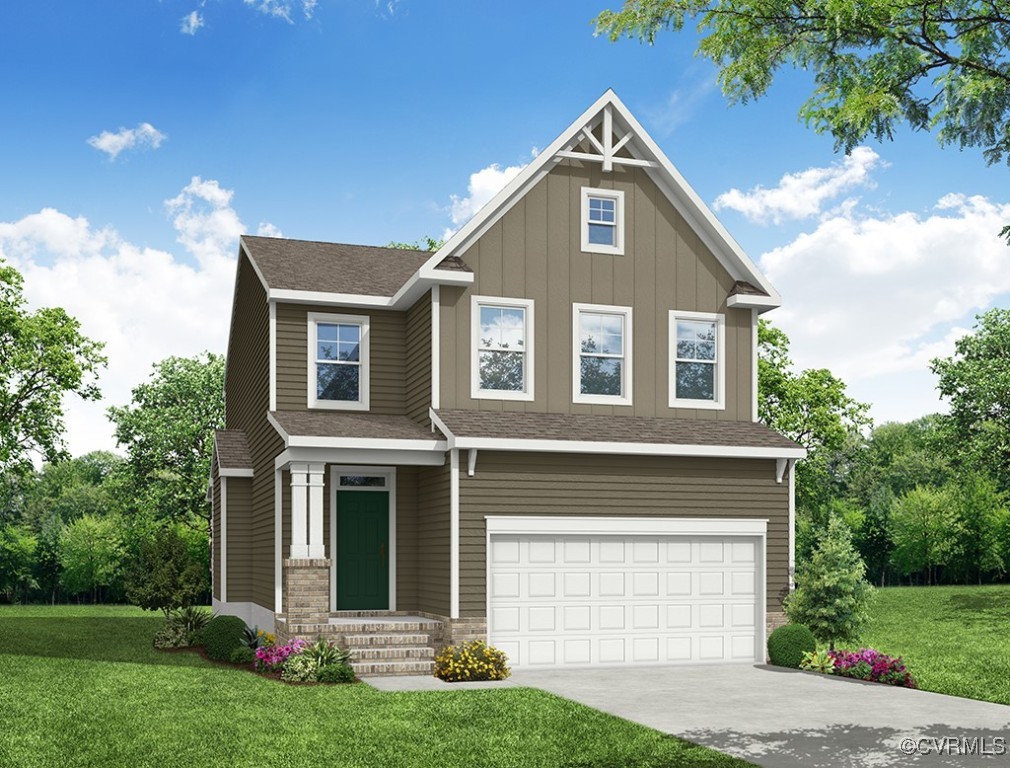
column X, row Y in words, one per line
column 137, row 140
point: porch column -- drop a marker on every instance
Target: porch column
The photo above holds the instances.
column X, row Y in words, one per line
column 307, row 511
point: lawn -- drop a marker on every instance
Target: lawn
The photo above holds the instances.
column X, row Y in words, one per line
column 83, row 687
column 955, row 640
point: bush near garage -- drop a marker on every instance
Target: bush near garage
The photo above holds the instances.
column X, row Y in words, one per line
column 471, row 661
column 787, row 644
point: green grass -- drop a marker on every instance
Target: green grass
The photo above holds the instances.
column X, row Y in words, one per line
column 82, row 687
column 955, row 640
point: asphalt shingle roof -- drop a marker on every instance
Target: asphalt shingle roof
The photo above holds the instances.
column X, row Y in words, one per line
column 232, row 449
column 343, row 424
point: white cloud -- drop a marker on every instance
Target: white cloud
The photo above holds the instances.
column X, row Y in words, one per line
column 145, row 303
column 679, row 107
column 876, row 297
column 803, row 194
column 266, row 229
column 191, row 22
column 282, row 9
column 484, row 184
column 143, row 136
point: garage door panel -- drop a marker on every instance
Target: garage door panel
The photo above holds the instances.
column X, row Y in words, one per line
column 579, row 600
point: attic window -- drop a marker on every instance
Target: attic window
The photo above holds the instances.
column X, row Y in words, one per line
column 602, row 221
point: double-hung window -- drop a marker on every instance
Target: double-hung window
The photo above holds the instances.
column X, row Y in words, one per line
column 338, row 362
column 697, row 360
column 501, row 348
column 602, row 220
column 601, row 362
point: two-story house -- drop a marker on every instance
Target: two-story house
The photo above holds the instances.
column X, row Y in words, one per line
column 545, row 434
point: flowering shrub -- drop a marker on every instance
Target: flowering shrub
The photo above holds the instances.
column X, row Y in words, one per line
column 872, row 665
column 271, row 658
column 471, row 661
column 818, row 661
column 300, row 668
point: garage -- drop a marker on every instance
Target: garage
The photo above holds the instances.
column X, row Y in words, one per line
column 567, row 591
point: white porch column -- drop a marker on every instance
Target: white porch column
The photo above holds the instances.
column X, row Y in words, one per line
column 317, row 547
column 299, row 511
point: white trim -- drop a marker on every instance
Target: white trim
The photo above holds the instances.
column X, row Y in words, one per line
column 390, row 488
column 273, row 356
column 233, row 472
column 454, row 534
column 792, row 526
column 526, row 305
column 635, row 449
column 256, row 267
column 357, row 443
column 436, row 346
column 471, row 462
column 752, row 301
column 420, row 458
column 617, row 195
column 278, row 541
column 299, row 546
column 719, row 402
column 224, row 540
column 363, row 323
column 253, row 614
column 628, row 526
column 754, row 364
column 627, row 342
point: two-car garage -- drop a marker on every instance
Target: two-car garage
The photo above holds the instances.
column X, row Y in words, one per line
column 580, row 591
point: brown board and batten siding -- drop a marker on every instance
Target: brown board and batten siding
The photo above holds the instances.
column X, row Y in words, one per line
column 387, row 361
column 418, row 368
column 534, row 252
column 247, row 398
column 515, row 483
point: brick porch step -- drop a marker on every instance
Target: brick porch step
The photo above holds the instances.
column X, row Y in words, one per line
column 363, row 641
column 376, row 668
column 354, row 627
column 395, row 653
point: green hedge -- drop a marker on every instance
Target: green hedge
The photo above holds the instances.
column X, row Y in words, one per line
column 222, row 635
column 787, row 644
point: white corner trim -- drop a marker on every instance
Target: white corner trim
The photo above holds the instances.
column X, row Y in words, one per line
column 436, row 346
column 628, row 342
column 719, row 403
column 754, row 365
column 792, row 526
column 617, row 195
column 364, row 358
column 632, row 526
column 529, row 354
column 224, row 540
column 273, row 356
column 454, row 534
column 278, row 542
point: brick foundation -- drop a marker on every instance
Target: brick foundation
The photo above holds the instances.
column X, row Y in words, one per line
column 775, row 619
column 307, row 591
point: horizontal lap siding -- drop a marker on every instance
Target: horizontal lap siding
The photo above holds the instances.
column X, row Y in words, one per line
column 418, row 367
column 247, row 400
column 242, row 564
column 387, row 362
column 572, row 484
column 406, row 539
column 433, row 540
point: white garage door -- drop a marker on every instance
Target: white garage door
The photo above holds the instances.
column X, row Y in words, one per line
column 568, row 599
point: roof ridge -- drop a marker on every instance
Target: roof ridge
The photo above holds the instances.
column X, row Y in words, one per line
column 330, row 242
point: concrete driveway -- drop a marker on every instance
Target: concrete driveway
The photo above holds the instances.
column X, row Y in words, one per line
column 783, row 718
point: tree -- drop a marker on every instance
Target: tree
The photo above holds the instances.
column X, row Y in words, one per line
column 923, row 527
column 832, row 596
column 976, row 381
column 43, row 356
column 932, row 65
column 168, row 433
column 425, row 243
column 167, row 574
column 17, row 555
column 91, row 554
column 979, row 508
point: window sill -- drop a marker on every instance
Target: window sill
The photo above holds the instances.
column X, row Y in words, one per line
column 336, row 405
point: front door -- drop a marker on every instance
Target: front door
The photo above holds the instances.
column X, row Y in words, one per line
column 362, row 551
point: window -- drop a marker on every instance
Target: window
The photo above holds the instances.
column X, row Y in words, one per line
column 697, row 360
column 362, row 481
column 502, row 348
column 338, row 362
column 601, row 364
column 602, row 220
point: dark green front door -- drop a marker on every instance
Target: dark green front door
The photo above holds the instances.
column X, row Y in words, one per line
column 362, row 550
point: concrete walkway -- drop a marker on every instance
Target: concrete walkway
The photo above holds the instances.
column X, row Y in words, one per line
column 775, row 717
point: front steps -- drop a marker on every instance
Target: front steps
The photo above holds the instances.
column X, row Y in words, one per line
column 380, row 643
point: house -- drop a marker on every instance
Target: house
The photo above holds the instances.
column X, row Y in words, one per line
column 545, row 434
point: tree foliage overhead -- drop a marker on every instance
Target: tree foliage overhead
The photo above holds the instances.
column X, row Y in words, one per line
column 940, row 66
column 43, row 356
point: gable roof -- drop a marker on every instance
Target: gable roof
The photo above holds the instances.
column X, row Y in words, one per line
column 231, row 452
column 596, row 127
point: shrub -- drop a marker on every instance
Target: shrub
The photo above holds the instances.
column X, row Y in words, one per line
column 222, row 635
column 271, row 658
column 243, row 655
column 787, row 644
column 165, row 574
column 874, row 666
column 251, row 637
column 191, row 620
column 341, row 672
column 471, row 661
column 325, row 653
column 171, row 636
column 818, row 661
column 299, row 668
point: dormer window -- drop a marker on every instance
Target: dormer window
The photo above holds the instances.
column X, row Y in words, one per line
column 338, row 362
column 602, row 221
